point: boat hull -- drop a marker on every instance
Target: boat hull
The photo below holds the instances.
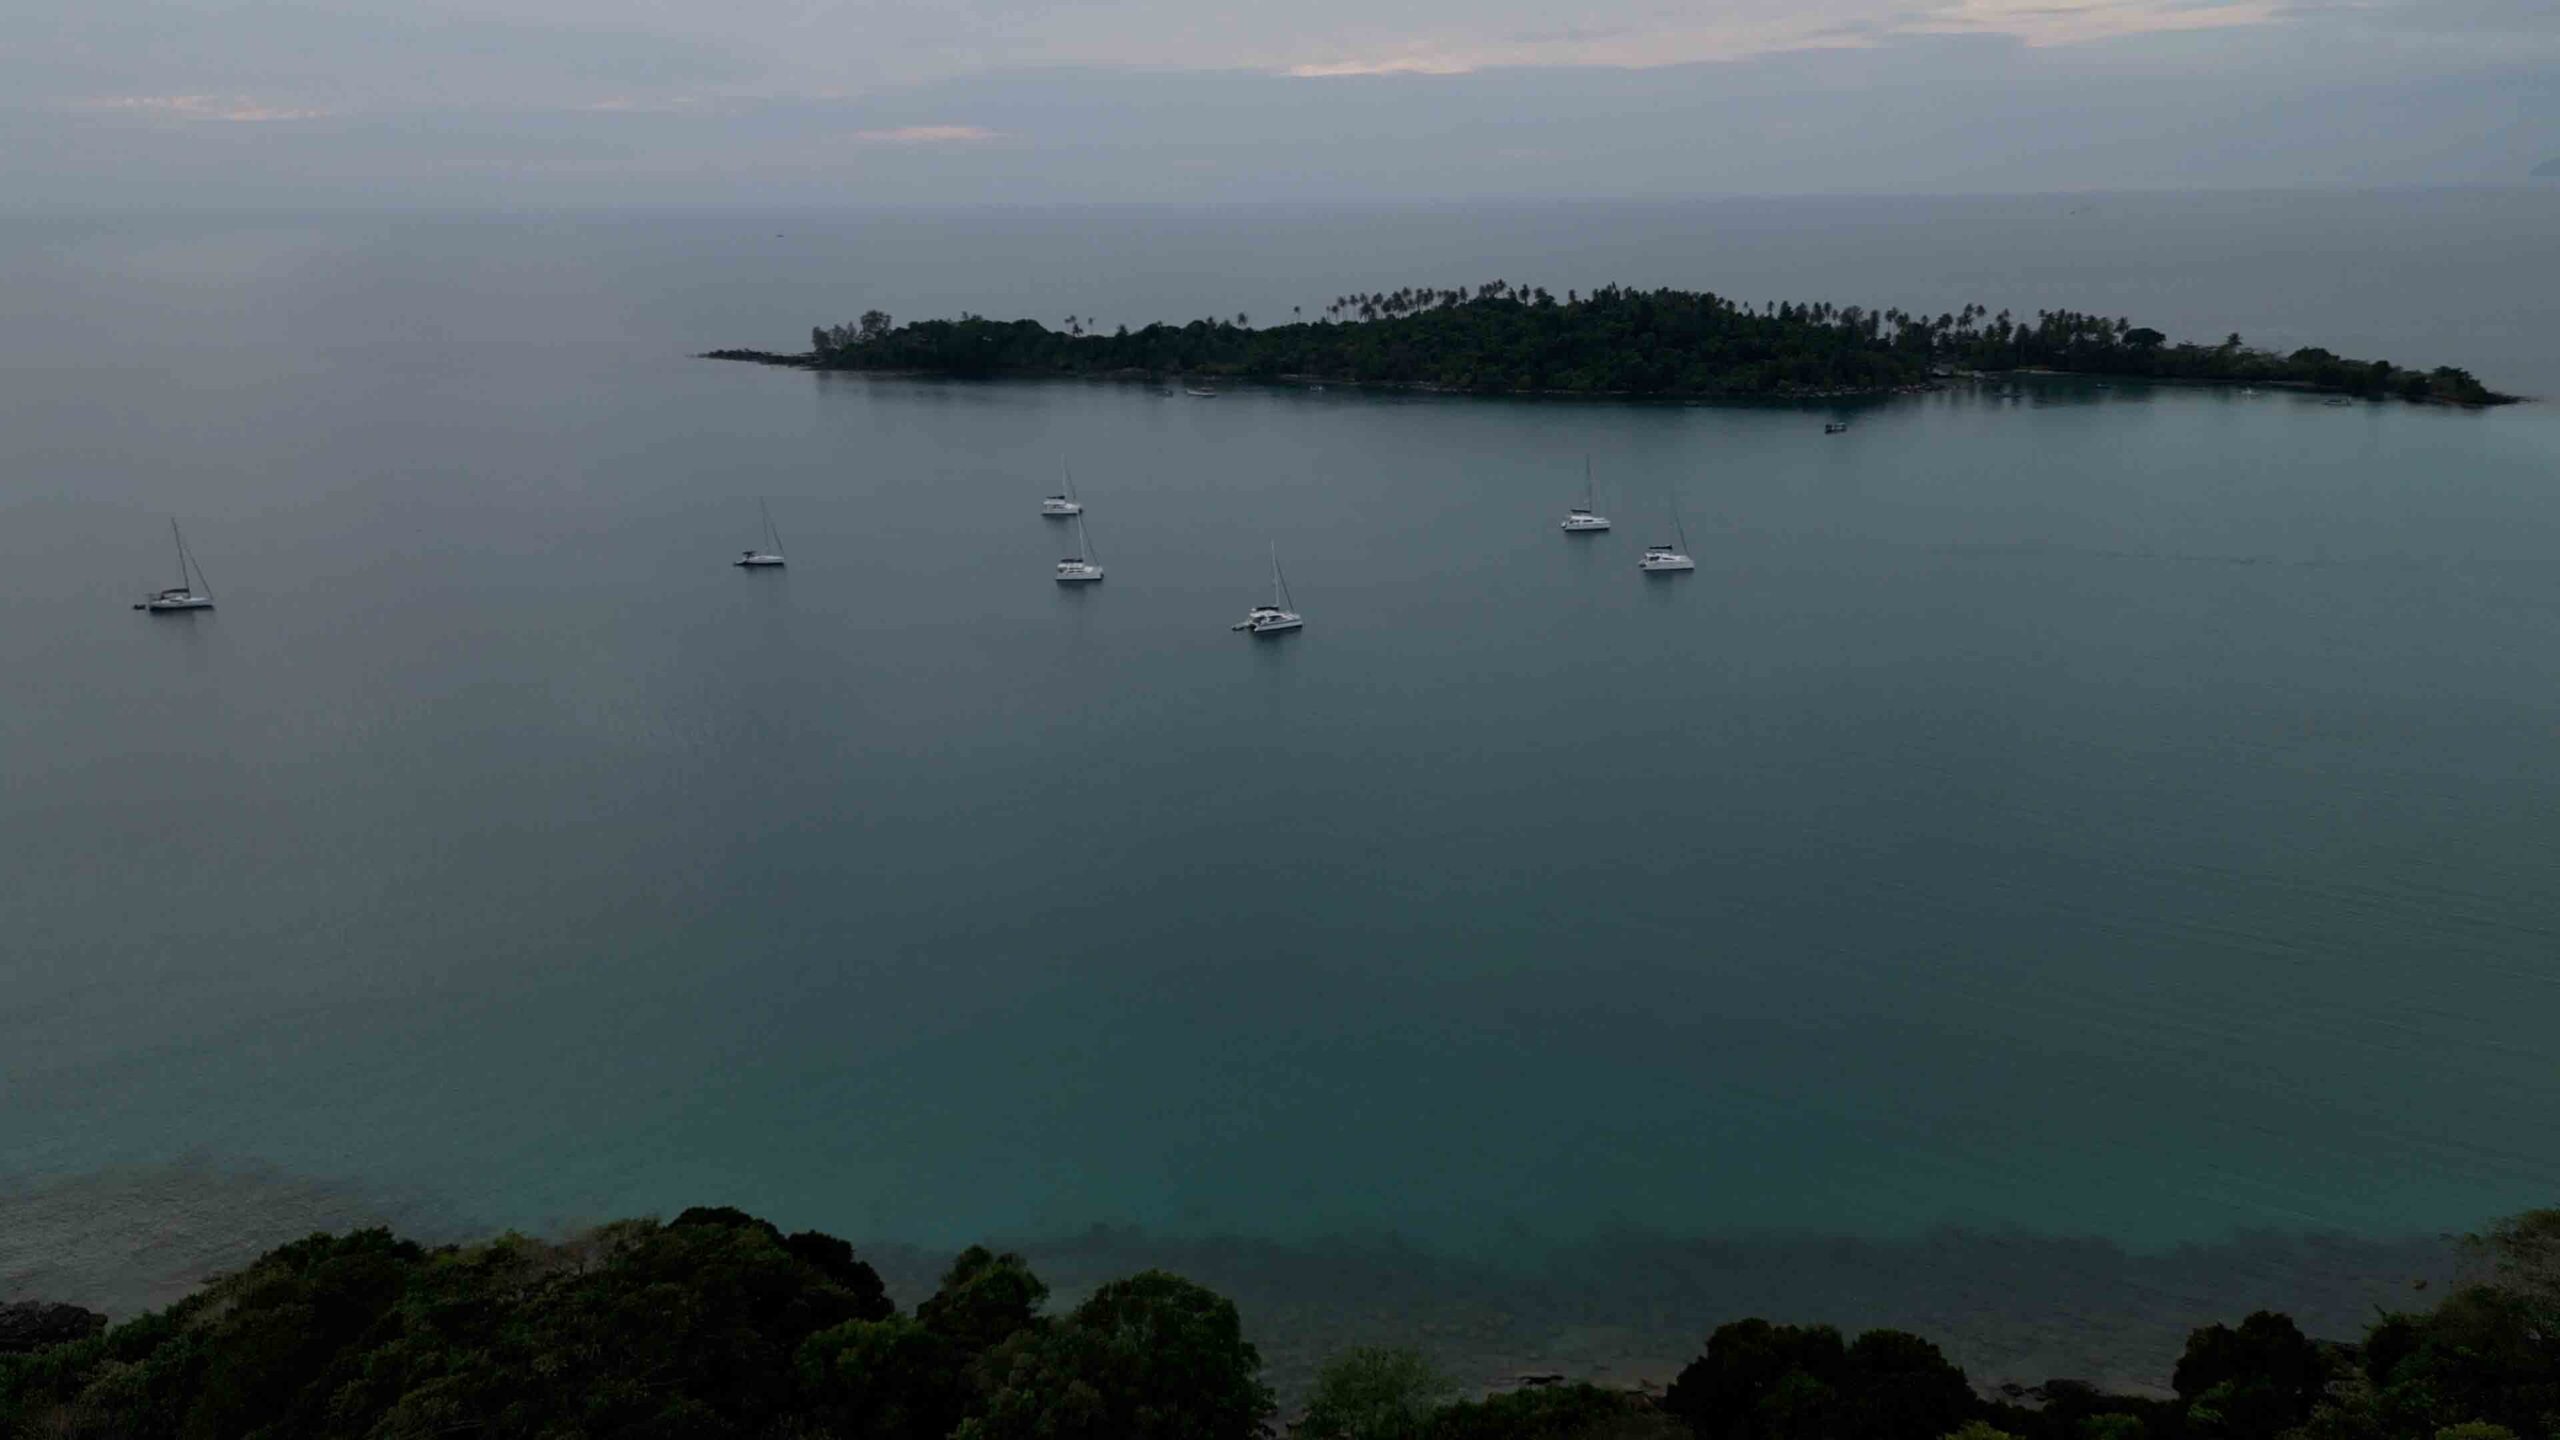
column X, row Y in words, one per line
column 174, row 607
column 759, row 562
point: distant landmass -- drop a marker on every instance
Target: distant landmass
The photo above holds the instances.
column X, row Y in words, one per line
column 1502, row 339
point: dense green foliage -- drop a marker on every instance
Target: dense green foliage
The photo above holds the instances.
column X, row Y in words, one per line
column 1760, row 1381
column 715, row 1324
column 1375, row 1394
column 1556, row 1412
column 1500, row 338
column 718, row 1324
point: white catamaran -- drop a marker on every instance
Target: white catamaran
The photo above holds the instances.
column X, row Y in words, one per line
column 1582, row 519
column 770, row 557
column 192, row 592
column 1277, row 616
column 1059, row 507
column 1659, row 559
column 1080, row 566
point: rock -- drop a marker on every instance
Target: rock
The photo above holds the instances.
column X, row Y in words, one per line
column 27, row 1325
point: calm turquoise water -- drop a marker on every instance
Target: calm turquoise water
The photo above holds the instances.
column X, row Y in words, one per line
column 2113, row 812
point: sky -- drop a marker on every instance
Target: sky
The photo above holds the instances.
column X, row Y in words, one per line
column 684, row 102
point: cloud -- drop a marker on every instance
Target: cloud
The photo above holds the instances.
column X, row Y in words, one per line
column 1741, row 31
column 2074, row 22
column 378, row 56
column 640, row 105
column 234, row 109
column 924, row 135
column 1400, row 65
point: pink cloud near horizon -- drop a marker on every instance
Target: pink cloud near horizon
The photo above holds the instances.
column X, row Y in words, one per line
column 925, row 135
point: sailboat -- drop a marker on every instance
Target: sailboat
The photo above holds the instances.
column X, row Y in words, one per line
column 770, row 557
column 1660, row 559
column 1059, row 507
column 1277, row 616
column 1581, row 519
column 192, row 592
column 1081, row 565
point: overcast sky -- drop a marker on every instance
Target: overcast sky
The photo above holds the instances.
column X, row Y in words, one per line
column 972, row 101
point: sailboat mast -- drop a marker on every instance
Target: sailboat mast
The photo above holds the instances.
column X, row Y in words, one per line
column 178, row 542
column 1084, row 541
column 1279, row 584
column 772, row 537
column 187, row 560
column 1590, row 498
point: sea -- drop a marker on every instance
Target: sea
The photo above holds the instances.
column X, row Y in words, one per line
column 2097, row 819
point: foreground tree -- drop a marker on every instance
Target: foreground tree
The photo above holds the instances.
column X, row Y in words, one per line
column 2250, row 1383
column 1153, row 1357
column 1556, row 1412
column 1759, row 1381
column 985, row 1297
column 1375, row 1394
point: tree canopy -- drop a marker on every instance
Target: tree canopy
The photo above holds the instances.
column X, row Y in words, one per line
column 1375, row 1393
column 1759, row 1381
column 1505, row 339
column 717, row 1324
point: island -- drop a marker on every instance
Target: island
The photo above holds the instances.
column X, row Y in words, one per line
column 1502, row 339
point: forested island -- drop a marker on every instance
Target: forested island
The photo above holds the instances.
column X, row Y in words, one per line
column 717, row 1324
column 1502, row 339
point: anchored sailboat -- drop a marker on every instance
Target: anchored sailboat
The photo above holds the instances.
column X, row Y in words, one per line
column 1662, row 558
column 192, row 592
column 1081, row 565
column 1281, row 614
column 770, row 557
column 1581, row 519
column 1059, row 507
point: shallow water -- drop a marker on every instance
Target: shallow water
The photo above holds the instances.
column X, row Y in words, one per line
column 2112, row 812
